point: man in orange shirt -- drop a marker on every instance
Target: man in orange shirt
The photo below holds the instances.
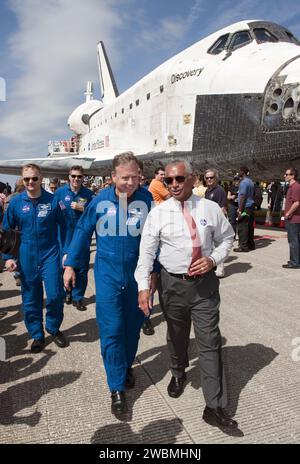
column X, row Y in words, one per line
column 157, row 188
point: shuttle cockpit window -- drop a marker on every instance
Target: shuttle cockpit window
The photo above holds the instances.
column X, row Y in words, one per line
column 292, row 38
column 239, row 39
column 262, row 35
column 219, row 45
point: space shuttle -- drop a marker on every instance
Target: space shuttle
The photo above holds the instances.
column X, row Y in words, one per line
column 230, row 99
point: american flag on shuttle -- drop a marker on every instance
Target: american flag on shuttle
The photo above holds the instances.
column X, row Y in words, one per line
column 106, row 141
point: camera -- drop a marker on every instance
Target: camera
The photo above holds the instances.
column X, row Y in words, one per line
column 9, row 241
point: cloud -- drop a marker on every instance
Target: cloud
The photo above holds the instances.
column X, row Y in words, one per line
column 54, row 50
column 228, row 12
column 169, row 30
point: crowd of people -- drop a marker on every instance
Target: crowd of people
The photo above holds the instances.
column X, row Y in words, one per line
column 172, row 235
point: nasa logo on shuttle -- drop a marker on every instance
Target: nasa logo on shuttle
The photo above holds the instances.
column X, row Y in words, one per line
column 183, row 75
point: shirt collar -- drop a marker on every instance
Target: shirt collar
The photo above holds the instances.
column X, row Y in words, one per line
column 27, row 198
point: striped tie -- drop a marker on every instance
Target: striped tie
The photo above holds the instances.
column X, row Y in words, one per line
column 196, row 253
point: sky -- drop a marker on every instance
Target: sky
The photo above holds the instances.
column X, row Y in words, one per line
column 48, row 52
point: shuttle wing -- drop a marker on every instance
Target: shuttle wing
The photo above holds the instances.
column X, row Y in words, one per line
column 50, row 167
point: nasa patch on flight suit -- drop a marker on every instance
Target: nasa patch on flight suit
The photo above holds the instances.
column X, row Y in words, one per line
column 26, row 209
column 67, row 198
column 43, row 209
column 203, row 222
column 82, row 201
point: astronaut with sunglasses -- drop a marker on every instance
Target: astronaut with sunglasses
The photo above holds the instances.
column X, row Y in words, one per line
column 73, row 198
column 37, row 215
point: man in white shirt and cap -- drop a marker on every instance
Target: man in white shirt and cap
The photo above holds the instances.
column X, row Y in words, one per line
column 192, row 236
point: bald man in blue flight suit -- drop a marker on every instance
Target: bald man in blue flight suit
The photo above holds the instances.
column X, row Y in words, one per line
column 36, row 214
column 117, row 214
column 73, row 198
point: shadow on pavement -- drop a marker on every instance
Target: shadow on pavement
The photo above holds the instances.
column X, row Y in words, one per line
column 262, row 242
column 237, row 268
column 85, row 331
column 20, row 368
column 26, row 394
column 159, row 431
column 9, row 322
column 4, row 294
column 241, row 364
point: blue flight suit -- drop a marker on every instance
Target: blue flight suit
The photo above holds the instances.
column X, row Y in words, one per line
column 65, row 197
column 38, row 260
column 118, row 233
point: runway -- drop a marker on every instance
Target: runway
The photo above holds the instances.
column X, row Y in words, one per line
column 60, row 395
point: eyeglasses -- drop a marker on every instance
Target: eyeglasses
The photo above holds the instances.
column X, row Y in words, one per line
column 76, row 177
column 179, row 179
column 209, row 177
column 28, row 179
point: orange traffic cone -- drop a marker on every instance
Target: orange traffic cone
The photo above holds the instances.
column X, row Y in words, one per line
column 282, row 221
column 268, row 220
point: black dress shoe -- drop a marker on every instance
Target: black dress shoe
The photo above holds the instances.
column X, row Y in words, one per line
column 241, row 250
column 60, row 340
column 290, row 266
column 37, row 346
column 118, row 402
column 218, row 418
column 147, row 327
column 79, row 305
column 176, row 386
column 68, row 299
column 130, row 379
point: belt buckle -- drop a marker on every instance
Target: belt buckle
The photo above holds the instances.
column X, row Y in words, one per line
column 184, row 277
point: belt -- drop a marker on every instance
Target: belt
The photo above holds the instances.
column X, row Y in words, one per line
column 186, row 276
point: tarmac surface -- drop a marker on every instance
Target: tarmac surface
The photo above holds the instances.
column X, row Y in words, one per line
column 61, row 396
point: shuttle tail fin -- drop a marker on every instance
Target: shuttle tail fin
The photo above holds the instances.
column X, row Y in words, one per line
column 108, row 85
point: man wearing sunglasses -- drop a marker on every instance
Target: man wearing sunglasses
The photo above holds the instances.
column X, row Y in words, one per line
column 37, row 215
column 73, row 198
column 192, row 236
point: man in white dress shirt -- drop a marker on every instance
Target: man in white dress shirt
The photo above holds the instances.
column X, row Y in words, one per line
column 192, row 236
